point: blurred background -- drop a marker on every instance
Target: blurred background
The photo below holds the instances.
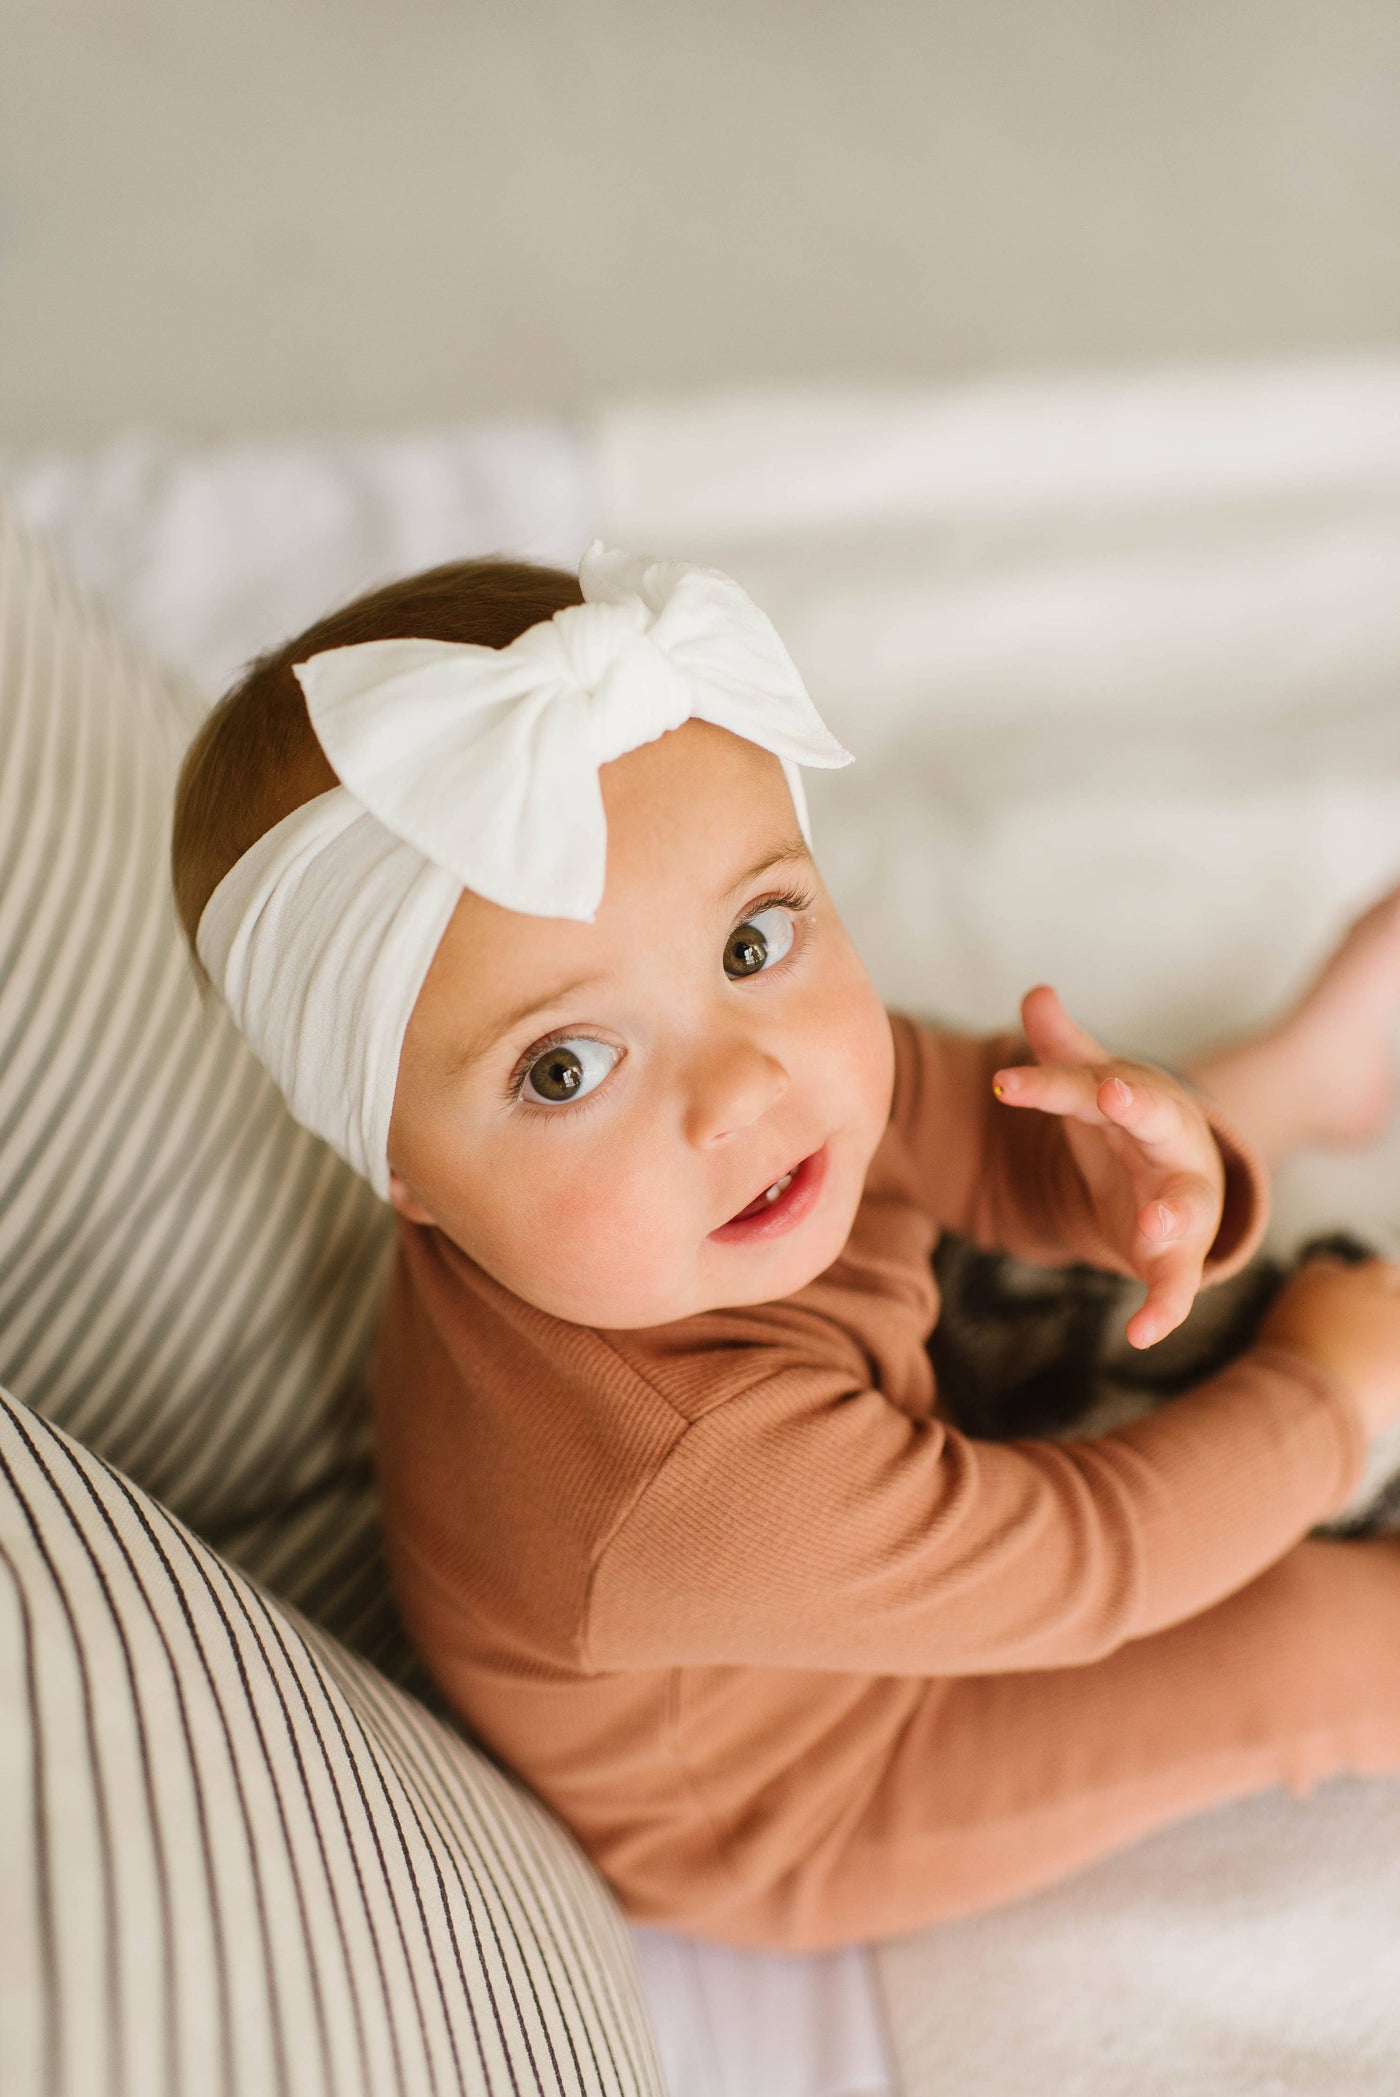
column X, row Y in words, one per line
column 225, row 218
column 1035, row 364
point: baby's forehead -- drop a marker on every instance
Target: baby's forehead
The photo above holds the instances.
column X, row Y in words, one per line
column 696, row 757
column 694, row 821
column 697, row 797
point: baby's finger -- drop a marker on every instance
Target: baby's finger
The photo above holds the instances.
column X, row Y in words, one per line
column 1053, row 1088
column 1147, row 1111
column 1051, row 1035
column 1184, row 1207
column 1172, row 1283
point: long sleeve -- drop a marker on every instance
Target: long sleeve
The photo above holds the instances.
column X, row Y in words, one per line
column 1003, row 1176
column 810, row 1525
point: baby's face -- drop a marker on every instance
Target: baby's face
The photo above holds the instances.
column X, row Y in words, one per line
column 586, row 1109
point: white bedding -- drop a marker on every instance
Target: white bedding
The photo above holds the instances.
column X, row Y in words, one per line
column 1120, row 659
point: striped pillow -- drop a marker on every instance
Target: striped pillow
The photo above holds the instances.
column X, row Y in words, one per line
column 233, row 1858
column 234, row 1862
column 188, row 1281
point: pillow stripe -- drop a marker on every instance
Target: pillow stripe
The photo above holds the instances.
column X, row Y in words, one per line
column 71, row 1110
column 44, row 1936
column 403, row 1764
column 134, row 933
column 104, row 1258
column 535, row 1862
column 234, row 1860
column 145, row 1060
column 344, row 1273
column 295, row 1451
column 323, row 1554
column 133, row 1123
column 308, row 1805
column 32, row 798
column 307, row 1801
column 312, row 1174
column 260, row 1196
column 107, row 1283
column 411, row 1929
column 270, row 1768
column 88, row 792
column 406, row 1764
column 483, row 1840
column 113, row 1937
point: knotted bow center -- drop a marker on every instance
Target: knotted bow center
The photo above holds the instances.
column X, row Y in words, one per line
column 632, row 690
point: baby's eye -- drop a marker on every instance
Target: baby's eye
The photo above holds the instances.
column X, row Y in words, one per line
column 763, row 938
column 567, row 1070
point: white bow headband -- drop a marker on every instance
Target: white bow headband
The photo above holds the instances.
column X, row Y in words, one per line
column 471, row 767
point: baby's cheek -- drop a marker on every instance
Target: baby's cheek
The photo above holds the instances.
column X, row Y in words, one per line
column 857, row 1052
column 602, row 1249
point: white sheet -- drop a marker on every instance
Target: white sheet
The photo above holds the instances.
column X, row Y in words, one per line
column 212, row 554
column 733, row 2022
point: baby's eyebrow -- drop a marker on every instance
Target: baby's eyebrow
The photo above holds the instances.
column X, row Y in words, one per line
column 784, row 853
column 482, row 1044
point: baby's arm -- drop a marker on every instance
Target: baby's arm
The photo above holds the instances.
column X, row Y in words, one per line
column 806, row 1522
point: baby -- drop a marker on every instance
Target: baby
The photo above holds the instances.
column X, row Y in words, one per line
column 506, row 878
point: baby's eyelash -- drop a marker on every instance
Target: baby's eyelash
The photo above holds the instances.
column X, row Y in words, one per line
column 796, row 900
column 561, row 1109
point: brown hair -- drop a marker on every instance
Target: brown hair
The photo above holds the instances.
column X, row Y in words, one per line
column 257, row 758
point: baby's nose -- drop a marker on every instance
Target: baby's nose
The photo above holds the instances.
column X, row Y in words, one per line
column 732, row 1086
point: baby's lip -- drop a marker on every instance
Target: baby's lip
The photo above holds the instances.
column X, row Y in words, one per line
column 776, row 1187
column 774, row 1219
column 772, row 1181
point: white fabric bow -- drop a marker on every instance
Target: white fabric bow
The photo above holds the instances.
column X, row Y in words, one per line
column 471, row 767
column 487, row 759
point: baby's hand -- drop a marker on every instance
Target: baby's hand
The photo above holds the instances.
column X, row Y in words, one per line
column 1151, row 1168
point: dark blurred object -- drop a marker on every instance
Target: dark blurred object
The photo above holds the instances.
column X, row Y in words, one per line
column 1023, row 1351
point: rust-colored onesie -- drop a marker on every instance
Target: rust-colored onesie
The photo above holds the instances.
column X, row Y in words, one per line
column 799, row 1663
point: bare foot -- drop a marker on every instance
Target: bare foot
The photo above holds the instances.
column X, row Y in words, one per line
column 1325, row 1074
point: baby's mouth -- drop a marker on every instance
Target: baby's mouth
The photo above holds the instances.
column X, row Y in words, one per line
column 766, row 1199
column 780, row 1206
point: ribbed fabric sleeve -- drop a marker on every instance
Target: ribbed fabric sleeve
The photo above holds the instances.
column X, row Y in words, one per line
column 860, row 1539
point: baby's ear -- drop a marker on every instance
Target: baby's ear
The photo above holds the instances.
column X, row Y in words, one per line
column 403, row 1198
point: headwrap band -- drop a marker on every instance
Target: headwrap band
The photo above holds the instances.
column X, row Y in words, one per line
column 469, row 767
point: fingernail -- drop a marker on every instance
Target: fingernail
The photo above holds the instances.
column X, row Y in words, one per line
column 1167, row 1218
column 1002, row 1084
column 1123, row 1093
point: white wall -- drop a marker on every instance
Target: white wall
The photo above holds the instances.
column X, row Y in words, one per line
column 252, row 215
